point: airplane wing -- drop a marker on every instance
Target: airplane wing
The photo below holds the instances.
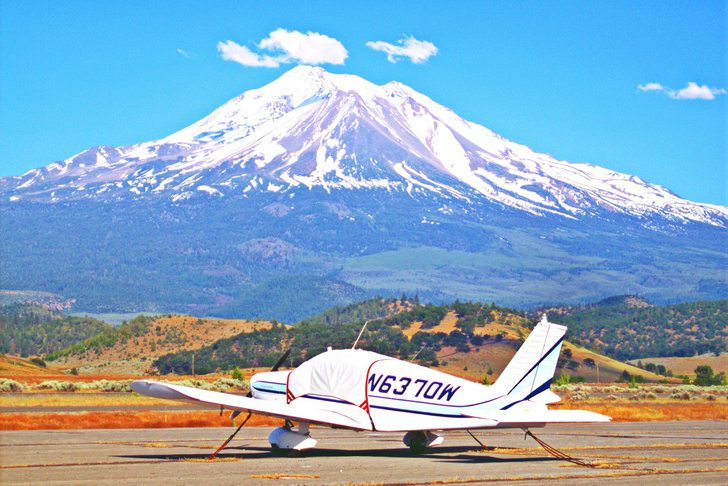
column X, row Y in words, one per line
column 295, row 412
column 525, row 417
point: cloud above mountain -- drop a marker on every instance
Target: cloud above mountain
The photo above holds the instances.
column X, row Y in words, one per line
column 417, row 51
column 286, row 47
column 692, row 91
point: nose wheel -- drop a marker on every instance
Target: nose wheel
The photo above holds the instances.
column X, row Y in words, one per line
column 285, row 438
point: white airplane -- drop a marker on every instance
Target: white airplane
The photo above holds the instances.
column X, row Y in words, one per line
column 362, row 390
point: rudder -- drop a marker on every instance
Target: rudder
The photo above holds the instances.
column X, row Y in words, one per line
column 532, row 369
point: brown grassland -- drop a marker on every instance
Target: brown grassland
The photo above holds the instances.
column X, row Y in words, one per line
column 620, row 412
column 687, row 365
column 51, row 410
column 639, row 412
column 124, row 420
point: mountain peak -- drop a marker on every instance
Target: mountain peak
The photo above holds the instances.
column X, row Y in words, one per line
column 305, row 70
column 311, row 128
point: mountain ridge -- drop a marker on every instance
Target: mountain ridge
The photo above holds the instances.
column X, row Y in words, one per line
column 310, row 128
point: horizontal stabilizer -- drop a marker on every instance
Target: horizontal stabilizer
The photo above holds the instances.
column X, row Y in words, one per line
column 525, row 417
column 545, row 397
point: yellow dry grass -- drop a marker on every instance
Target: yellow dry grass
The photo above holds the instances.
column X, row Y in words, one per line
column 474, row 365
column 687, row 365
column 15, row 366
column 447, row 324
column 656, row 410
column 508, row 331
column 414, row 328
column 50, row 400
column 122, row 420
column 606, row 369
column 640, row 412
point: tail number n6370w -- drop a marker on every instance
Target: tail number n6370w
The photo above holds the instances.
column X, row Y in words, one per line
column 431, row 390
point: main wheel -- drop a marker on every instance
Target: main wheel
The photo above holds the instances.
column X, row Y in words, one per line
column 418, row 442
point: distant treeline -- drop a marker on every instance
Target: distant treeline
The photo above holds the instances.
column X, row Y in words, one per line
column 29, row 329
column 628, row 327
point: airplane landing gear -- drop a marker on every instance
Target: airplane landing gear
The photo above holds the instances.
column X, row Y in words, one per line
column 285, row 438
column 422, row 440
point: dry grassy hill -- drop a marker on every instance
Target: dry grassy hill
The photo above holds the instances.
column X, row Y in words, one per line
column 164, row 335
column 15, row 367
column 503, row 337
column 687, row 365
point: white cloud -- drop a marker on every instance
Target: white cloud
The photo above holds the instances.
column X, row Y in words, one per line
column 308, row 48
column 650, row 87
column 416, row 50
column 230, row 51
column 692, row 91
column 286, row 47
column 184, row 53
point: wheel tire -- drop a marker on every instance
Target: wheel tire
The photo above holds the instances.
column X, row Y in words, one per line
column 417, row 443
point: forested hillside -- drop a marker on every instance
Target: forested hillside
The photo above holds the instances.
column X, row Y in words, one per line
column 401, row 331
column 629, row 327
column 106, row 338
column 131, row 347
column 28, row 329
column 471, row 340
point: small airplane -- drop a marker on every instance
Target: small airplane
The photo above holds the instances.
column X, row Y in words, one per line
column 362, row 390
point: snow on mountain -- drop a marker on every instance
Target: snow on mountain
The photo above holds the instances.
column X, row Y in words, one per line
column 310, row 128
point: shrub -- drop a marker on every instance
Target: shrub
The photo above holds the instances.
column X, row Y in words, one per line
column 224, row 384
column 60, row 386
column 681, row 395
column 704, row 376
column 10, row 386
column 580, row 396
column 38, row 361
column 236, row 374
column 562, row 379
column 108, row 386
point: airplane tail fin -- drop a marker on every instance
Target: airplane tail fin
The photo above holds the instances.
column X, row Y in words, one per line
column 530, row 372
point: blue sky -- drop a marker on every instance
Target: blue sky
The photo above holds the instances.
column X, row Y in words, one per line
column 561, row 77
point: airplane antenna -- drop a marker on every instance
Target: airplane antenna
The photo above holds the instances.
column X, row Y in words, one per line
column 418, row 352
column 360, row 333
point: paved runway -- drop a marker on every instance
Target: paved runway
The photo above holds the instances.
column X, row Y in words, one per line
column 627, row 453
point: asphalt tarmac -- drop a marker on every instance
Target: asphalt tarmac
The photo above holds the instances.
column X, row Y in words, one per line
column 625, row 453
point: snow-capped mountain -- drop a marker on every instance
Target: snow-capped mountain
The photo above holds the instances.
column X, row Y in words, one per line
column 313, row 129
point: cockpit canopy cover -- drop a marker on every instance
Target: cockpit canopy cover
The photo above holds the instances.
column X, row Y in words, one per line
column 338, row 374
